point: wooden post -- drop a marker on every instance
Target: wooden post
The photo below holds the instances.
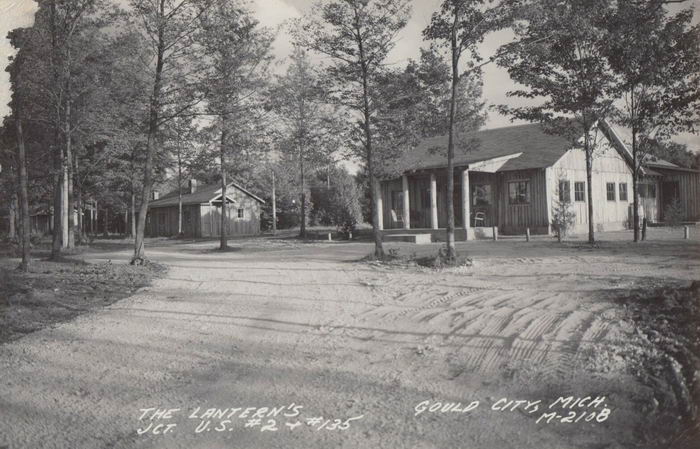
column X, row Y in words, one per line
column 466, row 203
column 686, row 232
column 349, row 235
column 274, row 205
column 380, row 206
column 433, row 202
column 495, row 232
column 406, row 204
column 527, row 234
column 644, row 228
column 330, row 238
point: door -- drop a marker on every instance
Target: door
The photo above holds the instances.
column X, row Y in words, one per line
column 670, row 192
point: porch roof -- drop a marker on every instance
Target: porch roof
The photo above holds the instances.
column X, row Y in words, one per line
column 538, row 149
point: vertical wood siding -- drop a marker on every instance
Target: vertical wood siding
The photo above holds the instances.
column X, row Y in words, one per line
column 688, row 191
column 608, row 167
column 514, row 218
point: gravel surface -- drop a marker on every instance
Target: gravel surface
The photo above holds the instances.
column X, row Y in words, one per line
column 277, row 332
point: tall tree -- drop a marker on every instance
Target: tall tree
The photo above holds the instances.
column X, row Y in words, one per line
column 299, row 101
column 357, row 36
column 560, row 64
column 169, row 26
column 238, row 51
column 460, row 25
column 656, row 59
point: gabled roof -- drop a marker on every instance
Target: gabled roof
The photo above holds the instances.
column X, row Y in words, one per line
column 538, row 149
column 203, row 194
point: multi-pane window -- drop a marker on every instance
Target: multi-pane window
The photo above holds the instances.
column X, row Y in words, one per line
column 580, row 191
column 610, row 191
column 481, row 194
column 623, row 191
column 647, row 190
column 241, row 213
column 519, row 192
column 564, row 191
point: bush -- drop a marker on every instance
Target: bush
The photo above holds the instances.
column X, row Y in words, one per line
column 673, row 214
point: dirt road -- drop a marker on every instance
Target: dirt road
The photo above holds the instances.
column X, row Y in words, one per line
column 305, row 332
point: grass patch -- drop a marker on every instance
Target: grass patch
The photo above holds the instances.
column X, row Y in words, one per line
column 55, row 292
column 666, row 324
column 438, row 261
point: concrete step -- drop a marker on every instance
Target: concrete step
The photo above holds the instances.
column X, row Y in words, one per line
column 418, row 239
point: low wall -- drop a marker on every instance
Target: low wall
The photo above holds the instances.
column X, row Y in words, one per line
column 439, row 235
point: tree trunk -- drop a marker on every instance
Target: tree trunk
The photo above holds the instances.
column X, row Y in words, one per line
column 635, row 172
column 139, row 253
column 56, row 244
column 274, row 206
column 451, row 248
column 13, row 217
column 133, row 213
column 64, row 203
column 302, row 221
column 223, row 242
column 23, row 196
column 179, row 191
column 105, row 231
column 70, row 218
column 589, row 187
column 378, row 248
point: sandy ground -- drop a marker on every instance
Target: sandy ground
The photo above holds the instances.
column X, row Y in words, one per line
column 350, row 351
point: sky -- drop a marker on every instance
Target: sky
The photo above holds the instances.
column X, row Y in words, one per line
column 274, row 13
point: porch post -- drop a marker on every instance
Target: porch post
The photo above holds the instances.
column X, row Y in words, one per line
column 380, row 206
column 466, row 203
column 406, row 204
column 433, row 202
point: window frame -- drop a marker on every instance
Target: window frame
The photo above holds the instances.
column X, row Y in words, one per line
column 513, row 200
column 610, row 191
column 582, row 184
column 567, row 190
column 621, row 191
column 240, row 213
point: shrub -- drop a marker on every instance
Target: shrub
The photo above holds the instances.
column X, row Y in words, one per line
column 563, row 218
column 673, row 214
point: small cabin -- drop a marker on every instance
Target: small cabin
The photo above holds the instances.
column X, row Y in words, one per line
column 201, row 212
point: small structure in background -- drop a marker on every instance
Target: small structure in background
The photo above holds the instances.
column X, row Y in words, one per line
column 201, row 212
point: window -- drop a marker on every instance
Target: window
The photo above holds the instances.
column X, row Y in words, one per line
column 240, row 213
column 481, row 194
column 610, row 190
column 647, row 190
column 564, row 191
column 580, row 191
column 623, row 191
column 519, row 192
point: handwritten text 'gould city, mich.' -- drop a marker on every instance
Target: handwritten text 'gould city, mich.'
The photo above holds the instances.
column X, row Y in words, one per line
column 567, row 409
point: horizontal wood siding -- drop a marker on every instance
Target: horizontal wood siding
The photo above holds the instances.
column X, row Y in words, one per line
column 515, row 218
